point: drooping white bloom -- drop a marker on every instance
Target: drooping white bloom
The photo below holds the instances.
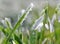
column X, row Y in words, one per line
column 8, row 22
column 51, row 28
column 51, row 23
column 38, row 22
column 23, row 11
column 32, row 5
column 3, row 22
column 53, row 18
column 46, row 25
column 39, row 27
column 7, row 19
column 29, row 8
column 26, row 12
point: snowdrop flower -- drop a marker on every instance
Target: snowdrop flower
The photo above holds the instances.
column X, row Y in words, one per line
column 26, row 12
column 31, row 5
column 51, row 28
column 7, row 19
column 53, row 18
column 4, row 22
column 39, row 27
column 21, row 13
column 30, row 8
column 8, row 22
column 51, row 22
column 38, row 22
column 46, row 25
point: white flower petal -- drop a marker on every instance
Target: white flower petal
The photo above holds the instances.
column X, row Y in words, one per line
column 46, row 25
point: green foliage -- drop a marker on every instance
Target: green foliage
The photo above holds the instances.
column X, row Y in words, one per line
column 33, row 36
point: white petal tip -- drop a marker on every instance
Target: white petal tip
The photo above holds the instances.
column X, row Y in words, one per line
column 6, row 18
column 32, row 5
column 22, row 11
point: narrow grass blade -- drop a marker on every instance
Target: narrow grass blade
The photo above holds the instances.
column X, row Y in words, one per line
column 8, row 23
column 19, row 22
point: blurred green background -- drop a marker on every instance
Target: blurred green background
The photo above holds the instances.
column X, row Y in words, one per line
column 12, row 10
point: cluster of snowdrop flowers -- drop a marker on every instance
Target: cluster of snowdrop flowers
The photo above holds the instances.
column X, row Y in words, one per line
column 51, row 22
column 39, row 22
column 29, row 8
column 7, row 21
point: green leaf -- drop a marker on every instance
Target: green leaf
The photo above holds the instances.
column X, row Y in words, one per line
column 8, row 23
column 19, row 22
column 17, row 39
